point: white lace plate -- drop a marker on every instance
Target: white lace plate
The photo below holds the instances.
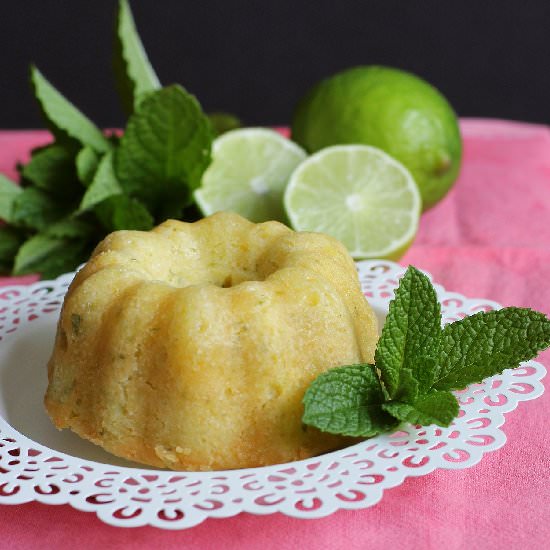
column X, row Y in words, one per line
column 37, row 462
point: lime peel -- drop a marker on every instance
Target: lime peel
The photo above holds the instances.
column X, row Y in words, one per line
column 391, row 109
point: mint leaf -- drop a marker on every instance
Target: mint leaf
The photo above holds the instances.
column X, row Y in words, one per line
column 436, row 407
column 74, row 228
column 9, row 190
column 425, row 370
column 348, row 401
column 486, row 343
column 86, row 162
column 10, row 241
column 411, row 330
column 165, row 150
column 36, row 209
column 57, row 249
column 134, row 75
column 103, row 185
column 123, row 212
column 52, row 169
column 419, row 362
column 408, row 387
column 50, row 255
column 65, row 120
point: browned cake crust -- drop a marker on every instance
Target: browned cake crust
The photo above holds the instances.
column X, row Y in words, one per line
column 191, row 346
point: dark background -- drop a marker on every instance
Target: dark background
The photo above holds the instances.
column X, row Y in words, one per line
column 256, row 58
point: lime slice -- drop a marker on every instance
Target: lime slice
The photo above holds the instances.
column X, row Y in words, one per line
column 359, row 195
column 248, row 174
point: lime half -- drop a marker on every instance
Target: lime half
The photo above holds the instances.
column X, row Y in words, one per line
column 248, row 174
column 393, row 110
column 359, row 195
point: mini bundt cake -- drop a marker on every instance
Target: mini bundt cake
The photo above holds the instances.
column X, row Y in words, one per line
column 191, row 346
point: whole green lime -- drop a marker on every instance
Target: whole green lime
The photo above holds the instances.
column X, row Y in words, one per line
column 393, row 110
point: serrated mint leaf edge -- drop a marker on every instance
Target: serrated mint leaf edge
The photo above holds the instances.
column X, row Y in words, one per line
column 134, row 74
column 453, row 377
column 103, row 185
column 167, row 170
column 400, row 333
column 64, row 116
column 365, row 421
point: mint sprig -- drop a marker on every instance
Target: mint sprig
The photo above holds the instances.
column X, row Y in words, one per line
column 418, row 362
column 87, row 179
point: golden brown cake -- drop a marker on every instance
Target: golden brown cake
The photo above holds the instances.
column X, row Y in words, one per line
column 191, row 346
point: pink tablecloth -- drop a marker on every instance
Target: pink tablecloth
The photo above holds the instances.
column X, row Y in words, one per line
column 489, row 238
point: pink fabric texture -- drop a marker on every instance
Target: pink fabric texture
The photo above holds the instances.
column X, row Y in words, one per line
column 489, row 238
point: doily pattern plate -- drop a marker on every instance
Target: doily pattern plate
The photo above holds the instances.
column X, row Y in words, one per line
column 36, row 466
